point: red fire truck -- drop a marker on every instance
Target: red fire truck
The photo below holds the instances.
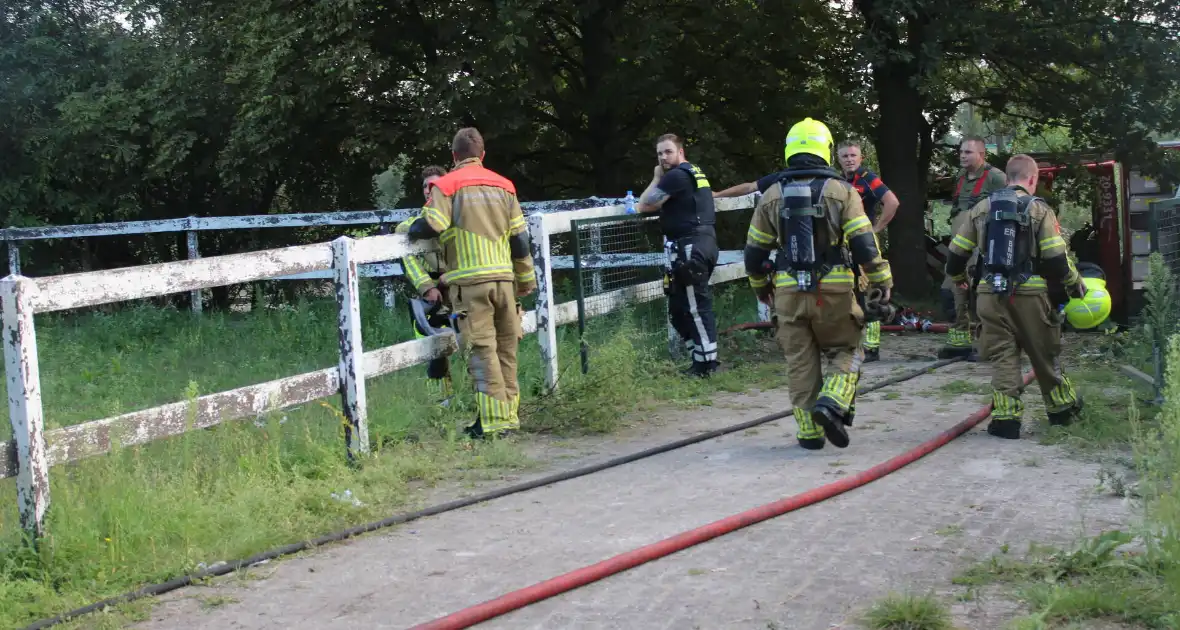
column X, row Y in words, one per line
column 1117, row 238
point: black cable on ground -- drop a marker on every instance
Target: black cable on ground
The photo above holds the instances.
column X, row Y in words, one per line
column 397, row 519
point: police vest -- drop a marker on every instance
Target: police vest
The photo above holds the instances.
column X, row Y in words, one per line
column 1006, row 259
column 684, row 212
column 807, row 252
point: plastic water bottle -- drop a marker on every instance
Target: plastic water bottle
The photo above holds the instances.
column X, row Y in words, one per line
column 629, row 203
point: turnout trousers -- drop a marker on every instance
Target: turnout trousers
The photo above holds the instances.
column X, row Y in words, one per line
column 1028, row 323
column 438, row 370
column 690, row 305
column 958, row 335
column 872, row 332
column 489, row 322
column 811, row 325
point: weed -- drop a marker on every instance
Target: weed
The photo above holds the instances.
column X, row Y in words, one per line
column 908, row 612
column 950, row 530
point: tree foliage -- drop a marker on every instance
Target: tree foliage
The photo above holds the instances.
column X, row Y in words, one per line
column 131, row 109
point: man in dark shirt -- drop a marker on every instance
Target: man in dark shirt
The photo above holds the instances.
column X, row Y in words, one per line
column 872, row 191
column 681, row 194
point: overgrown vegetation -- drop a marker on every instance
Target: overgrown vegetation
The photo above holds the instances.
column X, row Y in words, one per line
column 146, row 514
column 1130, row 576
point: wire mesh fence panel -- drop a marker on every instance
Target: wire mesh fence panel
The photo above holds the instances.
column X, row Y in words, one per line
column 1165, row 240
column 1165, row 232
column 617, row 260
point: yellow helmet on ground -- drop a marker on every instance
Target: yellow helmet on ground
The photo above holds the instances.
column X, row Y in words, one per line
column 1091, row 310
column 812, row 137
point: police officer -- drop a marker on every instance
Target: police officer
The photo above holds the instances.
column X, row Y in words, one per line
column 814, row 219
column 424, row 271
column 1021, row 254
column 680, row 192
column 475, row 214
column 977, row 180
column 872, row 191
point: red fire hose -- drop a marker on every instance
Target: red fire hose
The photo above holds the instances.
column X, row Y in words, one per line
column 580, row 577
column 934, row 328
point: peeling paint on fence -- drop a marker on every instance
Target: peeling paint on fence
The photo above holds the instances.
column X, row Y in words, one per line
column 404, row 355
column 189, row 224
column 24, row 403
column 81, row 441
column 30, row 454
column 546, row 327
column 345, row 254
column 310, row 219
column 71, row 444
column 117, row 285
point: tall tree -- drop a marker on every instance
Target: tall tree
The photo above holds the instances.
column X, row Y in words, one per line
column 1048, row 61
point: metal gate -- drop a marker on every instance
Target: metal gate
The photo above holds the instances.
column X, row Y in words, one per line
column 616, row 259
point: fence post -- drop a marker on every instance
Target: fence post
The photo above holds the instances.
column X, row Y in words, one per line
column 14, row 258
column 24, row 403
column 194, row 253
column 352, row 375
column 546, row 326
column 595, row 249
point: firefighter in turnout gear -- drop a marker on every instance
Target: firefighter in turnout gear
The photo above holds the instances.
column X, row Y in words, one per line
column 977, row 180
column 814, row 219
column 872, row 191
column 423, row 271
column 1021, row 254
column 475, row 215
column 681, row 193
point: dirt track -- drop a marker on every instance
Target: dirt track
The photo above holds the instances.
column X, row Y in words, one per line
column 815, row 568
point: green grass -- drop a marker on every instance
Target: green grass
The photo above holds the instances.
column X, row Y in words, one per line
column 908, row 612
column 1094, row 580
column 147, row 514
column 1092, row 366
column 1130, row 577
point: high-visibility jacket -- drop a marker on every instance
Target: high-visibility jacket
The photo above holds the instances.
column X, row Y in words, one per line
column 421, row 269
column 842, row 234
column 480, row 227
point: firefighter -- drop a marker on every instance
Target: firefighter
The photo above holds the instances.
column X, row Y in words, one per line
column 977, row 180
column 814, row 218
column 424, row 271
column 475, row 215
column 1021, row 253
column 872, row 191
column 681, row 194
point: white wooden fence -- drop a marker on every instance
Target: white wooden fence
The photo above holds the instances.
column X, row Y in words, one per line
column 192, row 226
column 32, row 451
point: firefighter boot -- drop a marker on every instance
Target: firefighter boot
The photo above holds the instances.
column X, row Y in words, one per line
column 703, row 369
column 833, row 424
column 1064, row 404
column 810, row 436
column 1006, row 414
column 958, row 344
column 475, row 431
column 836, row 398
column 872, row 342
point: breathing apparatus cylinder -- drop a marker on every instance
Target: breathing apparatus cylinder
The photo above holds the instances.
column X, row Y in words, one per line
column 1000, row 256
column 800, row 232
